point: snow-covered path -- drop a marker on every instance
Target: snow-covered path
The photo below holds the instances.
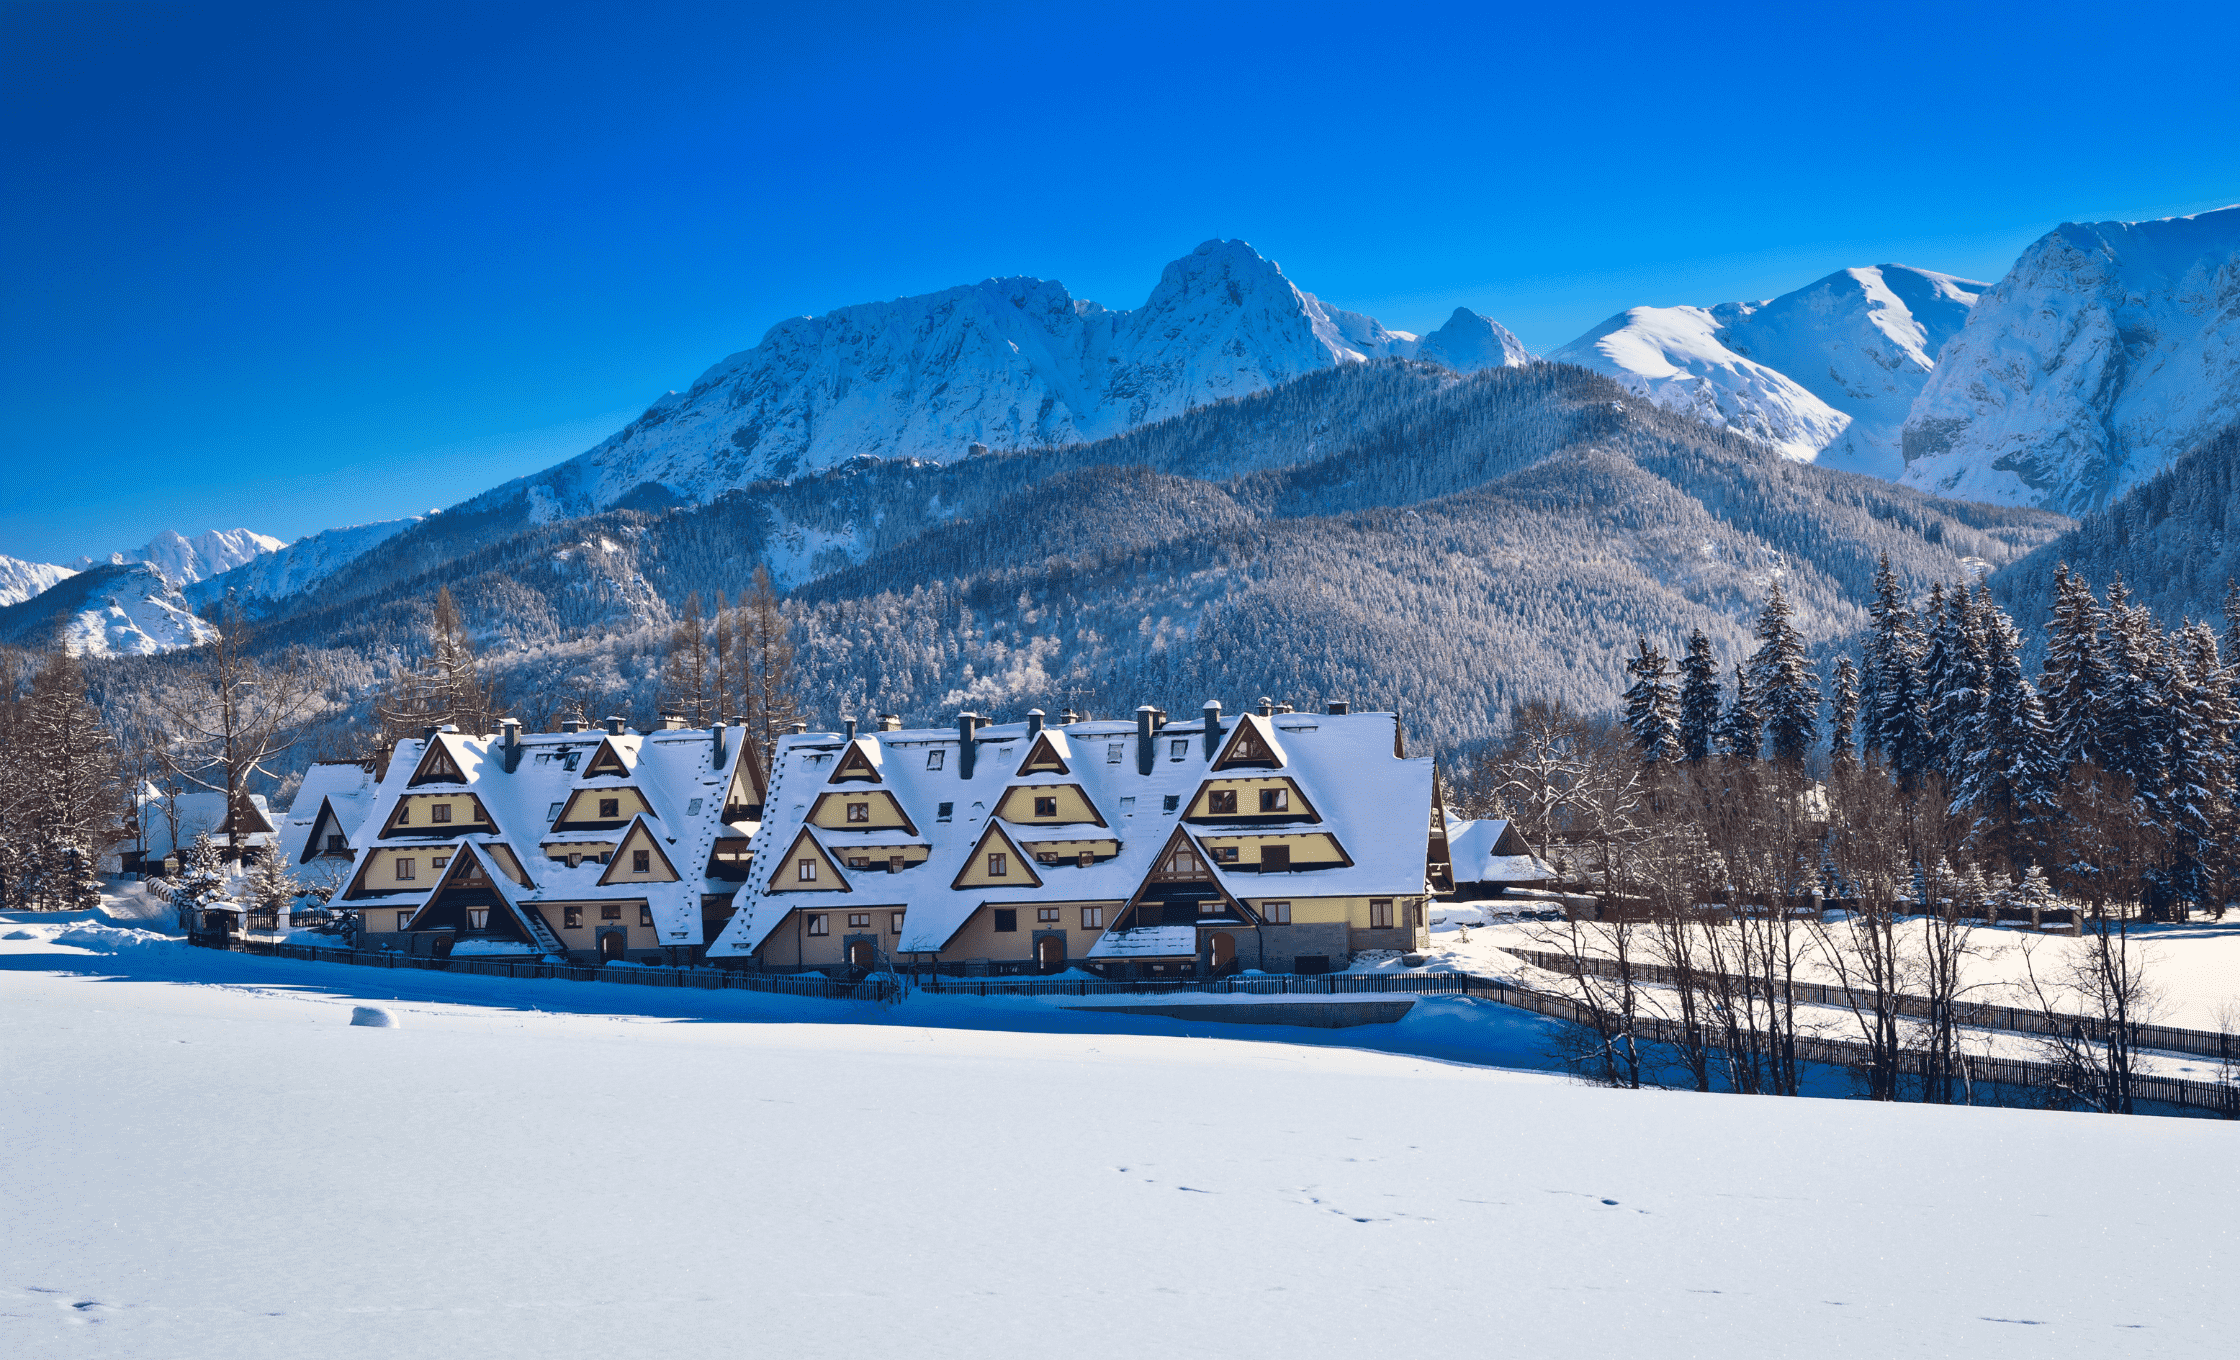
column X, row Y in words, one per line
column 211, row 1167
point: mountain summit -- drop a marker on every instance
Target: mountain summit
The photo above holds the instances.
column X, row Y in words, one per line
column 1013, row 363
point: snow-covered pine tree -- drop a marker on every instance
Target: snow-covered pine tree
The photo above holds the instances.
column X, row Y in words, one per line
column 1783, row 688
column 2191, row 800
column 1890, row 680
column 1741, row 727
column 1843, row 711
column 201, row 881
column 2232, row 623
column 1699, row 699
column 1652, row 706
column 271, row 887
column 2074, row 682
column 1952, row 674
column 445, row 687
column 2011, row 772
column 2130, row 721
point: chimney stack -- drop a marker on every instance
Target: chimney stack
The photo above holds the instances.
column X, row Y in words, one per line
column 509, row 732
column 1146, row 716
column 967, row 748
column 1067, row 718
column 572, row 725
column 614, row 725
column 1267, row 707
column 797, row 727
column 672, row 722
column 427, row 734
column 1283, row 708
column 716, row 732
column 849, row 724
column 1213, row 727
column 1034, row 721
column 890, row 722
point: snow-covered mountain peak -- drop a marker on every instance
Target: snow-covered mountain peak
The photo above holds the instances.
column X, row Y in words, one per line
column 2108, row 350
column 1827, row 373
column 1470, row 342
column 185, row 561
column 109, row 609
column 20, row 580
column 1004, row 364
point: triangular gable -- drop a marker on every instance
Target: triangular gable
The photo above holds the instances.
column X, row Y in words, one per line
column 1006, row 808
column 1200, row 870
column 1253, row 744
column 901, row 813
column 638, row 837
column 1043, row 757
column 436, row 767
column 481, row 818
column 245, row 819
column 787, row 876
column 856, row 764
column 472, row 869
column 314, row 843
column 588, row 819
column 607, row 762
column 994, row 841
column 1303, row 809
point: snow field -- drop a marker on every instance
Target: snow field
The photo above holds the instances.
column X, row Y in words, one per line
column 205, row 1164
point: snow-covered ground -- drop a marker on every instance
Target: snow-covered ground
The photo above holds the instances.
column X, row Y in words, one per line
column 206, row 1157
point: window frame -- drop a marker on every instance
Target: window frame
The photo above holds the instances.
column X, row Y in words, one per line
column 859, row 920
column 478, row 918
column 610, row 911
column 937, row 757
column 894, row 923
column 859, row 812
column 1221, row 802
column 1004, row 920
column 1046, row 807
column 641, row 861
column 1380, row 907
column 805, row 869
column 1276, row 913
column 404, row 920
column 999, row 864
column 610, row 809
column 439, row 813
column 571, row 918
column 1275, row 800
column 645, row 914
column 1092, row 918
column 404, row 869
column 817, row 922
column 1048, row 916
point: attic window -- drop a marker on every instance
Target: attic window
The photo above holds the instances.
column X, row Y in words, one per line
column 943, row 812
column 569, row 761
column 1045, row 807
column 1275, row 800
column 552, row 814
column 641, row 861
column 610, row 807
column 441, row 812
column 934, row 758
column 1113, row 753
column 1171, row 802
column 1178, row 748
column 692, row 809
column 1221, row 802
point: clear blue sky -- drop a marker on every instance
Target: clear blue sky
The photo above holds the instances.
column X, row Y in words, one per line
column 295, row 266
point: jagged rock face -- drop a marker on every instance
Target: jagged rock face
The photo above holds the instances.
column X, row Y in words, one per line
column 2108, row 350
column 1470, row 342
column 1825, row 374
column 299, row 565
column 1015, row 363
column 185, row 561
column 20, row 580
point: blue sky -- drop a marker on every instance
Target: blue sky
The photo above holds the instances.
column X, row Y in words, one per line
column 287, row 267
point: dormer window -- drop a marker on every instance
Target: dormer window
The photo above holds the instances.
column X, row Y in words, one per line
column 859, row 812
column 1045, row 807
column 441, row 812
column 1275, row 800
column 1114, row 752
column 944, row 811
column 552, row 814
column 1222, row 802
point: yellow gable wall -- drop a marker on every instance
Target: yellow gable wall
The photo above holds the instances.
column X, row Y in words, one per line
column 1351, row 911
column 502, row 856
column 1312, row 849
column 655, row 872
column 979, row 938
column 1016, row 873
column 832, row 811
column 419, row 811
column 381, row 870
column 792, row 946
column 586, row 935
column 742, row 792
column 785, row 875
column 875, row 857
column 584, row 806
column 1248, row 797
column 1018, row 804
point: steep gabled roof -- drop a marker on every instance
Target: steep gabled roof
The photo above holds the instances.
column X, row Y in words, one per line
column 639, row 837
column 1252, row 744
column 805, row 846
column 438, row 764
column 861, row 761
column 1048, row 754
column 975, row 864
column 471, row 859
column 608, row 761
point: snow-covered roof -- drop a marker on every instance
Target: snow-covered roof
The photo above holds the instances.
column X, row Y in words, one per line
column 345, row 787
column 524, row 788
column 1375, row 804
column 1148, row 942
column 1490, row 851
column 202, row 810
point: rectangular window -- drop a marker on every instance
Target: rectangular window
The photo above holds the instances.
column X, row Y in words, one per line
column 407, row 869
column 859, row 812
column 1113, row 753
column 552, row 814
column 818, row 923
column 1225, row 854
column 1222, row 802
column 1275, row 859
column 935, row 757
column 571, row 917
column 1170, row 802
column 440, row 862
column 335, row 843
column 641, row 861
column 999, row 865
column 645, row 916
column 859, row 920
column 859, row 861
column 1045, row 807
column 1007, row 920
column 610, row 808
column 805, row 871
column 478, row 918
column 1092, row 918
column 612, row 911
column 1275, row 800
column 1048, row 914
column 1380, row 913
column 441, row 812
column 1178, row 748
column 692, row 809
column 942, row 812
column 894, row 922
column 1415, row 916
column 1276, row 913
column 404, row 919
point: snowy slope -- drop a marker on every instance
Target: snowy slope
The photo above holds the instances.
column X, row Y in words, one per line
column 1470, row 342
column 108, row 610
column 1010, row 363
column 299, row 565
column 528, row 1168
column 2108, row 350
column 185, row 561
column 1825, row 374
column 20, row 580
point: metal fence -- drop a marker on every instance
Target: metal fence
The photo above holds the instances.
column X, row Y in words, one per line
column 874, row 988
column 1976, row 1014
column 1301, row 984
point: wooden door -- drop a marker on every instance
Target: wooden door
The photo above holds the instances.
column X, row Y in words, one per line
column 613, row 944
column 1050, row 954
column 860, row 955
column 1224, row 950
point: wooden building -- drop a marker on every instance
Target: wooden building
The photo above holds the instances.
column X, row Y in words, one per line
column 1276, row 841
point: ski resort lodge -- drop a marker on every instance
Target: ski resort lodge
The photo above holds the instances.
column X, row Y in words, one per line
column 1279, row 841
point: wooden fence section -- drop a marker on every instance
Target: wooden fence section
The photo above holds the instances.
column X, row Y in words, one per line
column 816, row 986
column 1976, row 1014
